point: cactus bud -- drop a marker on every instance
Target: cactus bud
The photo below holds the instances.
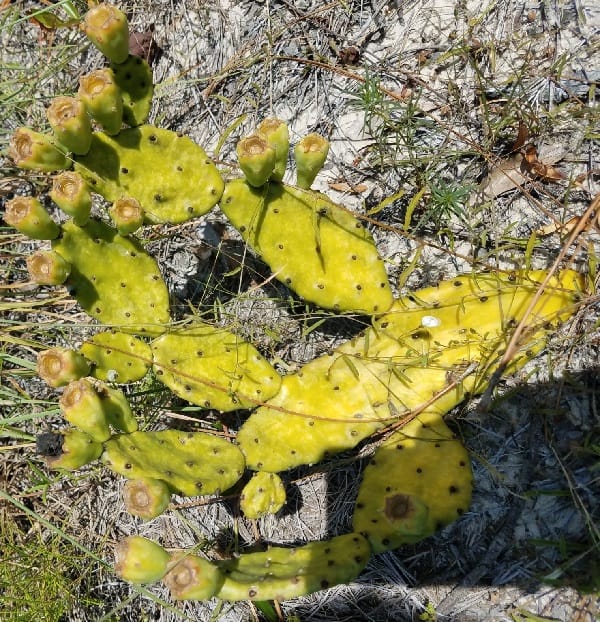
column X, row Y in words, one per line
column 59, row 366
column 71, row 124
column 127, row 215
column 193, row 577
column 34, row 151
column 140, row 560
column 71, row 193
column 102, row 98
column 27, row 215
column 48, row 268
column 310, row 155
column 256, row 159
column 146, row 497
column 68, row 450
column 276, row 133
column 107, row 28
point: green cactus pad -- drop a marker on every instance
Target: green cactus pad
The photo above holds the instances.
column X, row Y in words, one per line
column 282, row 573
column 417, row 482
column 171, row 176
column 263, row 494
column 191, row 463
column 113, row 278
column 117, row 357
column 427, row 352
column 214, row 368
column 134, row 78
column 312, row 245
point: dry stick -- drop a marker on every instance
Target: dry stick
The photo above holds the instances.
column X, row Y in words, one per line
column 590, row 213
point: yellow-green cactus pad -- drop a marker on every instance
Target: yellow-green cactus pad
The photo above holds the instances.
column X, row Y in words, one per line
column 282, row 573
column 427, row 352
column 134, row 78
column 113, row 278
column 171, row 176
column 263, row 494
column 191, row 463
column 314, row 246
column 417, row 482
column 117, row 357
column 214, row 368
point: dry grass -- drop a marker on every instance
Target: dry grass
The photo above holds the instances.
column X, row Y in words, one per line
column 426, row 124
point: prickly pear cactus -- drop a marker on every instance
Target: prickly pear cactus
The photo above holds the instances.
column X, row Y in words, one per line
column 191, row 463
column 171, row 176
column 263, row 494
column 314, row 246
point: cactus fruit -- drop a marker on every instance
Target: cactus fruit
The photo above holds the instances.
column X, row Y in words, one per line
column 171, row 176
column 192, row 577
column 57, row 367
column 107, row 28
column 27, row 216
column 418, row 481
column 263, row 494
column 191, row 463
column 277, row 135
column 256, row 159
column 117, row 357
column 213, row 368
column 34, row 151
column 314, row 246
column 70, row 123
column 310, row 155
column 69, row 449
column 71, row 193
column 282, row 573
column 134, row 78
column 431, row 348
column 47, row 268
column 140, row 560
column 113, row 278
column 146, row 498
column 102, row 98
column 127, row 215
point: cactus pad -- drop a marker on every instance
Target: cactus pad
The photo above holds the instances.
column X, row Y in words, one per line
column 134, row 78
column 171, row 176
column 418, row 481
column 191, row 463
column 113, row 278
column 117, row 357
column 312, row 245
column 214, row 368
column 263, row 494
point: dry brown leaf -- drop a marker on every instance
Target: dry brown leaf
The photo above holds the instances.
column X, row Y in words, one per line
column 345, row 187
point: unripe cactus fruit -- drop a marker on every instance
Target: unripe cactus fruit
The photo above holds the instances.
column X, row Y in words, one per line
column 81, row 405
column 192, row 577
column 60, row 366
column 102, row 98
column 127, row 215
column 256, row 159
column 263, row 494
column 27, row 216
column 107, row 28
column 140, row 560
column 71, row 193
column 277, row 135
column 71, row 124
column 70, row 449
column 310, row 155
column 47, row 268
column 146, row 497
column 34, row 151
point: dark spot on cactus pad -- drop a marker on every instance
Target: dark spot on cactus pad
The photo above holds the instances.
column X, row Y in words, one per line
column 159, row 372
column 421, row 334
column 310, row 422
column 169, row 473
column 360, row 506
column 453, row 490
column 419, row 470
column 293, row 452
column 324, row 583
column 374, row 520
column 336, row 388
column 331, row 562
column 529, row 353
column 128, row 76
column 256, row 440
column 438, row 525
column 437, row 445
column 385, row 541
column 133, row 254
column 460, row 511
column 373, row 462
column 358, row 225
column 398, row 507
column 127, row 465
column 158, row 197
column 384, row 324
column 462, row 463
column 124, row 170
column 483, row 299
column 123, row 284
column 252, row 593
column 259, row 465
column 228, row 199
column 288, row 281
column 359, row 287
column 198, row 485
column 321, row 286
column 187, row 388
column 457, row 283
column 411, row 298
column 388, row 488
column 399, row 446
column 98, row 310
column 275, row 210
column 280, row 246
column 152, row 138
column 353, row 433
column 127, row 314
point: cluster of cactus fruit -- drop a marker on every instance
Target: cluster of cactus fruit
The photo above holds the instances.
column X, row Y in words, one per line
column 423, row 353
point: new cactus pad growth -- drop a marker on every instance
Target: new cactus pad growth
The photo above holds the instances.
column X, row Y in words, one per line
column 310, row 155
column 171, row 176
column 314, row 246
column 277, row 135
column 256, row 159
column 191, row 463
column 69, row 449
column 134, row 78
column 102, row 99
column 263, row 494
column 213, row 368
column 108, row 29
column 113, row 278
column 418, row 481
